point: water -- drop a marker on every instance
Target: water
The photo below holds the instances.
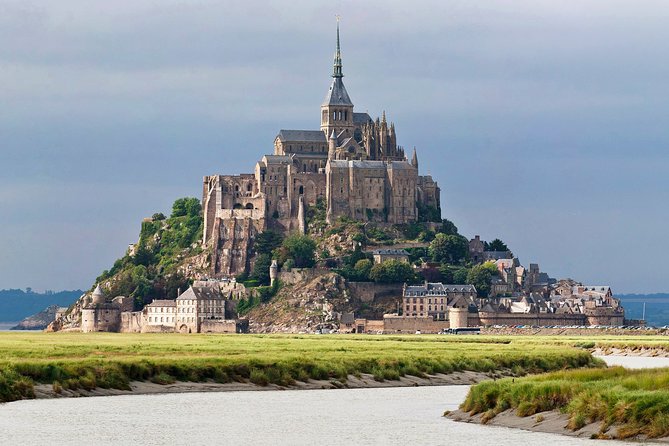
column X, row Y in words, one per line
column 6, row 326
column 636, row 362
column 391, row 416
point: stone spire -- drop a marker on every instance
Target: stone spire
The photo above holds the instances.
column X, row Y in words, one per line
column 414, row 159
column 336, row 71
column 337, row 108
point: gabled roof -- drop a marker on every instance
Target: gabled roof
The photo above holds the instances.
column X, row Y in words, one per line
column 301, row 136
column 200, row 293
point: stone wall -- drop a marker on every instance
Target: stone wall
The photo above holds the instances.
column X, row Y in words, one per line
column 218, row 326
column 412, row 324
column 158, row 329
column 532, row 319
column 131, row 321
column 370, row 291
column 105, row 317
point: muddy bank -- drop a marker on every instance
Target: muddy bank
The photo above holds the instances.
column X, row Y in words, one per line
column 645, row 352
column 365, row 381
column 552, row 422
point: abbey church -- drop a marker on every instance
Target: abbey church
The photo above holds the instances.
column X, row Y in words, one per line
column 352, row 164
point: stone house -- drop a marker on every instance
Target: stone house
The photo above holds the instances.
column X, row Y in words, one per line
column 382, row 255
column 161, row 313
column 197, row 305
column 436, row 299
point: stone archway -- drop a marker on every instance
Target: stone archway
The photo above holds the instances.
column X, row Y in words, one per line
column 184, row 329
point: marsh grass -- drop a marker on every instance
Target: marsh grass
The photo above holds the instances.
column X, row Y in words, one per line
column 636, row 401
column 106, row 360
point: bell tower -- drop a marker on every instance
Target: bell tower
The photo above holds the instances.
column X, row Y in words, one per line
column 337, row 108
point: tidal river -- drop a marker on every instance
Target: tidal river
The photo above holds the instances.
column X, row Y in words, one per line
column 390, row 416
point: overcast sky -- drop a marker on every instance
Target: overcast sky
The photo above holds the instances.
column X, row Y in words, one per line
column 544, row 122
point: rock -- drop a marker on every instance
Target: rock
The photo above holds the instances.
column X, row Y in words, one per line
column 39, row 321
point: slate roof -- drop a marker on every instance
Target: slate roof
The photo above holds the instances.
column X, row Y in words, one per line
column 347, row 318
column 358, row 164
column 200, row 293
column 362, row 118
column 278, row 159
column 301, row 136
column 398, row 165
column 395, row 252
column 163, row 303
column 337, row 94
column 438, row 289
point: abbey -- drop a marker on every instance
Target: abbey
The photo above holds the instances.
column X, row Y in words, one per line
column 352, row 164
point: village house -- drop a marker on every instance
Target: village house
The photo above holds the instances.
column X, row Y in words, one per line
column 382, row 255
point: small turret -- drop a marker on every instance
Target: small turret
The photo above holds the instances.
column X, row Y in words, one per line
column 332, row 145
column 98, row 296
column 414, row 159
column 273, row 272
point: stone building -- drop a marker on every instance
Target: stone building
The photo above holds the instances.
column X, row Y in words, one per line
column 436, row 300
column 160, row 313
column 352, row 164
column 100, row 315
column 381, row 255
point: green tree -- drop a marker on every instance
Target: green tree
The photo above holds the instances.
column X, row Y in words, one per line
column 188, row 206
column 448, row 227
column 449, row 248
column 496, row 245
column 267, row 241
column 460, row 276
column 143, row 255
column 260, row 271
column 481, row 277
column 300, row 248
column 362, row 269
column 392, row 271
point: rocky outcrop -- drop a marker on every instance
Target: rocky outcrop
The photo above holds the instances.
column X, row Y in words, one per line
column 313, row 304
column 38, row 321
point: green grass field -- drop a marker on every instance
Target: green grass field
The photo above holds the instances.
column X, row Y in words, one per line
column 636, row 401
column 106, row 360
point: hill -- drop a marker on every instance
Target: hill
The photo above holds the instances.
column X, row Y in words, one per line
column 16, row 304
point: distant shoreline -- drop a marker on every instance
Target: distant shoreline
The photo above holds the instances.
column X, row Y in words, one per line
column 6, row 326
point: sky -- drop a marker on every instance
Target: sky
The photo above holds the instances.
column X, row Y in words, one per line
column 544, row 122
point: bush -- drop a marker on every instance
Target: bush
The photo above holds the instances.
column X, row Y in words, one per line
column 392, row 271
column 300, row 248
column 449, row 248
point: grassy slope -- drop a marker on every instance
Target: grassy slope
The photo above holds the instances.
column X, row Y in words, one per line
column 635, row 401
column 76, row 360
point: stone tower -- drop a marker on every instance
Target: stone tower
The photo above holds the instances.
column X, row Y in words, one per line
column 337, row 108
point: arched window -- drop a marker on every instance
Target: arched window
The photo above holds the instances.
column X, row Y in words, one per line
column 301, row 190
column 249, row 187
column 249, row 205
